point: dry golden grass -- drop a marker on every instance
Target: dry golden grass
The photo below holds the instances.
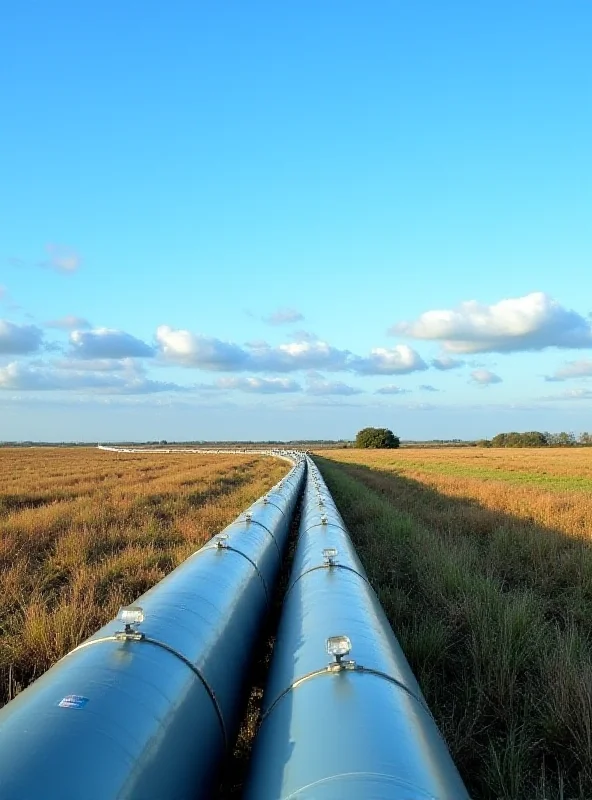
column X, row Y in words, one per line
column 83, row 531
column 483, row 562
column 550, row 487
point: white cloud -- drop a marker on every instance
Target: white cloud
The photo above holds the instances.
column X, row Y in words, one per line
column 69, row 323
column 306, row 352
column 3, row 293
column 484, row 377
column 259, row 385
column 33, row 377
column 194, row 350
column 62, row 258
column 445, row 363
column 571, row 394
column 208, row 353
column 391, row 389
column 284, row 316
column 99, row 365
column 303, row 354
column 323, row 388
column 107, row 343
column 59, row 257
column 399, row 360
column 532, row 322
column 427, row 387
column 572, row 369
column 19, row 339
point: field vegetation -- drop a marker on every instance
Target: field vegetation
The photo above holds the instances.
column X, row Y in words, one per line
column 483, row 562
column 84, row 531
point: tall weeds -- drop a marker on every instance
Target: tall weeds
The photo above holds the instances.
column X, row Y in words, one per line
column 83, row 531
column 493, row 609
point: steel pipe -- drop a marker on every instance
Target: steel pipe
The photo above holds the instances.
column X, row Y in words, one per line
column 343, row 726
column 146, row 713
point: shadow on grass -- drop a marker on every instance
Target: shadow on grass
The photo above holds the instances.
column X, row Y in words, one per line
column 494, row 614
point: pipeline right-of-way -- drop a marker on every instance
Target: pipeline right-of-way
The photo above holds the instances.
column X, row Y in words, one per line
column 343, row 717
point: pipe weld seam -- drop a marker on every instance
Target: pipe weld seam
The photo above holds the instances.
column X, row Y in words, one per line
column 330, row 670
column 275, row 505
column 250, row 560
column 326, row 566
column 265, row 528
column 181, row 657
column 325, row 525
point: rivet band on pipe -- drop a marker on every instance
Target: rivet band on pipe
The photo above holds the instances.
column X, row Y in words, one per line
column 325, row 525
column 327, row 566
column 250, row 560
column 330, row 669
column 269, row 503
column 261, row 525
column 177, row 654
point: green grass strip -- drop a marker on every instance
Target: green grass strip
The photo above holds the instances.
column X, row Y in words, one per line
column 496, row 627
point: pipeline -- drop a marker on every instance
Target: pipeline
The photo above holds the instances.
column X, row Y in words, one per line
column 286, row 455
column 335, row 726
column 146, row 707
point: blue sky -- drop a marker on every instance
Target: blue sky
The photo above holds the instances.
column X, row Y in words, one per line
column 281, row 220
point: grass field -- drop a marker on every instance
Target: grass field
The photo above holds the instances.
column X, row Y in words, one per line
column 483, row 562
column 84, row 531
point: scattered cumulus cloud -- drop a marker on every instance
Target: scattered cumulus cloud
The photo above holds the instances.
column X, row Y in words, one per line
column 533, row 322
column 571, row 394
column 399, row 360
column 58, row 257
column 19, row 339
column 579, row 394
column 302, row 336
column 304, row 353
column 427, row 387
column 446, row 362
column 99, row 365
column 391, row 389
column 107, row 343
column 39, row 377
column 69, row 323
column 323, row 388
column 484, row 377
column 194, row 350
column 61, row 258
column 259, row 385
column 284, row 316
column 571, row 369
column 208, row 353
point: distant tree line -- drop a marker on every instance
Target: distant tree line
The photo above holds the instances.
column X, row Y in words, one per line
column 538, row 439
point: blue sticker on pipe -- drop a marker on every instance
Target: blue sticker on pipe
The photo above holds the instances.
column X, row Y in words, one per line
column 73, row 701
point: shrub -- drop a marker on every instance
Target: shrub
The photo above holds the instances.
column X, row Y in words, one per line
column 377, row 438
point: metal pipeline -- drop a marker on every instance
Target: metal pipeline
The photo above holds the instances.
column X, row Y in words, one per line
column 147, row 712
column 335, row 726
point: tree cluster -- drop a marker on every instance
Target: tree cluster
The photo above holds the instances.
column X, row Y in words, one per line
column 377, row 438
column 538, row 439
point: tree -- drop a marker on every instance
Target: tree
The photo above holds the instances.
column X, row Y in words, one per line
column 526, row 439
column 378, row 438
